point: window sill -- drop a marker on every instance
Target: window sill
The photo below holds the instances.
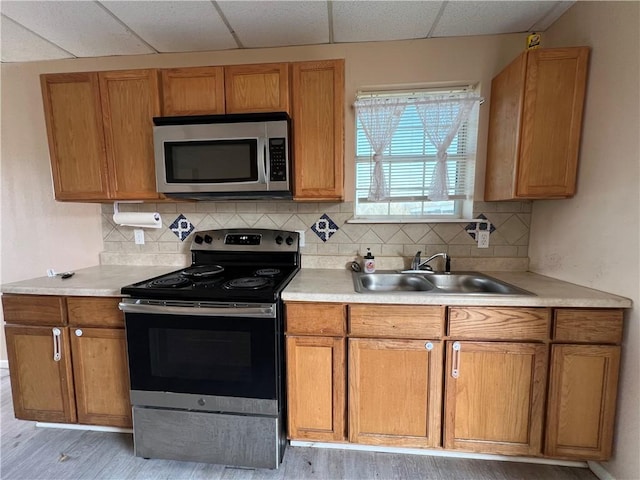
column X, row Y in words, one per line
column 417, row 220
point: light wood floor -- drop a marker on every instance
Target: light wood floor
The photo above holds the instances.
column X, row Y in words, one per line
column 30, row 453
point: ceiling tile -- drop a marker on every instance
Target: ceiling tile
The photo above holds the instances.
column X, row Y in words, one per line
column 279, row 23
column 363, row 21
column 83, row 28
column 18, row 44
column 552, row 15
column 484, row 18
column 164, row 24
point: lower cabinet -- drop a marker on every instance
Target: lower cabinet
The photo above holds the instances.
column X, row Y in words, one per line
column 65, row 371
column 316, row 371
column 536, row 382
column 101, row 376
column 495, row 396
column 583, row 383
column 395, row 392
column 316, row 385
column 41, row 381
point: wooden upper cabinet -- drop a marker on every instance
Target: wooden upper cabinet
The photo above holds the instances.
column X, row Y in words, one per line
column 193, row 91
column 130, row 99
column 318, row 127
column 535, row 124
column 73, row 115
column 257, row 88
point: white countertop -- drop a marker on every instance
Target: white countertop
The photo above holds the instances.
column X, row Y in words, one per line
column 100, row 281
column 330, row 285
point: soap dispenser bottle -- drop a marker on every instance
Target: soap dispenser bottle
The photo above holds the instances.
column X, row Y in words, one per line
column 369, row 262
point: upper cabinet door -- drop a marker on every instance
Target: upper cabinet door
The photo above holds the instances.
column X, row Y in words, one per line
column 73, row 115
column 130, row 99
column 535, row 125
column 257, row 88
column 193, row 91
column 318, row 121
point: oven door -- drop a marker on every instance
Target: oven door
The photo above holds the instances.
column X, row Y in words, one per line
column 210, row 359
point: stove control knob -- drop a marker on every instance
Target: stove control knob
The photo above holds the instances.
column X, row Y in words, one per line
column 202, row 402
column 208, row 239
column 279, row 240
column 198, row 239
column 289, row 241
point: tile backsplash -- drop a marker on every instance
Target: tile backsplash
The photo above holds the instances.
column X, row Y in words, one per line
column 330, row 241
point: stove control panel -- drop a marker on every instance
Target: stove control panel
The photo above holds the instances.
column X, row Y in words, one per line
column 249, row 240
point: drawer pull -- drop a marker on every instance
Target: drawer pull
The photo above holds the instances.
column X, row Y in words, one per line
column 428, row 346
column 78, row 332
column 57, row 354
column 455, row 360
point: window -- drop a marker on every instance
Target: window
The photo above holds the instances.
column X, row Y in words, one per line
column 408, row 161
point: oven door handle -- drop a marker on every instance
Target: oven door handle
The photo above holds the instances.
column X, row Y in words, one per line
column 200, row 309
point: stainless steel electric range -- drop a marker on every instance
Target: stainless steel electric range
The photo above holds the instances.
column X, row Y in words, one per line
column 206, row 351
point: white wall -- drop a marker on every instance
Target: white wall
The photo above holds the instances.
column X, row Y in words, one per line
column 593, row 238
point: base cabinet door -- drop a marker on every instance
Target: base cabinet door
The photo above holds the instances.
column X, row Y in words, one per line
column 494, row 397
column 41, row 378
column 316, row 388
column 582, row 401
column 101, row 376
column 395, row 389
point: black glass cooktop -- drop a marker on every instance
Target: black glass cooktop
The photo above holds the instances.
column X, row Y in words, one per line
column 216, row 283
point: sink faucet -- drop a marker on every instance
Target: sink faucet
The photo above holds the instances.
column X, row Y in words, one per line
column 417, row 264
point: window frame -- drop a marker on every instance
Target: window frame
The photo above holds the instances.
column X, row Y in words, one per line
column 462, row 202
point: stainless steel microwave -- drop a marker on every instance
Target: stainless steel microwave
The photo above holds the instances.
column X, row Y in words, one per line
column 223, row 156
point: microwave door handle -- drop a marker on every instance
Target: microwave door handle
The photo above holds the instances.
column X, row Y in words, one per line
column 263, row 174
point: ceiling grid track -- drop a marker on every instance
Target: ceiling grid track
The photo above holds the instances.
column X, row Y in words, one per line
column 113, row 15
column 330, row 20
column 437, row 19
column 226, row 22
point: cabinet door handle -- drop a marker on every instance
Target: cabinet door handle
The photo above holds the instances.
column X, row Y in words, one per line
column 78, row 332
column 428, row 346
column 57, row 354
column 455, row 360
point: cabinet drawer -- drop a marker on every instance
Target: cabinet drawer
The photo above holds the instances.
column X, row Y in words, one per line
column 497, row 323
column 95, row 312
column 588, row 326
column 315, row 318
column 396, row 321
column 34, row 309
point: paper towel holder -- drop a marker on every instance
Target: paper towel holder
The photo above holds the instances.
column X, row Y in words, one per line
column 136, row 219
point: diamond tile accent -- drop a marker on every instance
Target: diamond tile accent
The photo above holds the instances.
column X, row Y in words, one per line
column 182, row 227
column 324, row 227
column 474, row 227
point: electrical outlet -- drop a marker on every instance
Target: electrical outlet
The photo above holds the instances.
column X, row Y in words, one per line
column 483, row 238
column 301, row 238
column 138, row 235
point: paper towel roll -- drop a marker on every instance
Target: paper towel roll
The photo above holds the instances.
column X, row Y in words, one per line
column 138, row 219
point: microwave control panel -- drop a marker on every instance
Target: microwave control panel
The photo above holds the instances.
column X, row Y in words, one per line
column 278, row 159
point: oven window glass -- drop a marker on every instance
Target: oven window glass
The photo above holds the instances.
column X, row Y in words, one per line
column 224, row 356
column 212, row 161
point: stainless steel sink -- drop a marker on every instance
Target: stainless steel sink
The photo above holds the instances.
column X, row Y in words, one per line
column 391, row 282
column 455, row 283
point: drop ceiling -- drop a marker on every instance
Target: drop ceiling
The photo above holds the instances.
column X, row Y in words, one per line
column 48, row 30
